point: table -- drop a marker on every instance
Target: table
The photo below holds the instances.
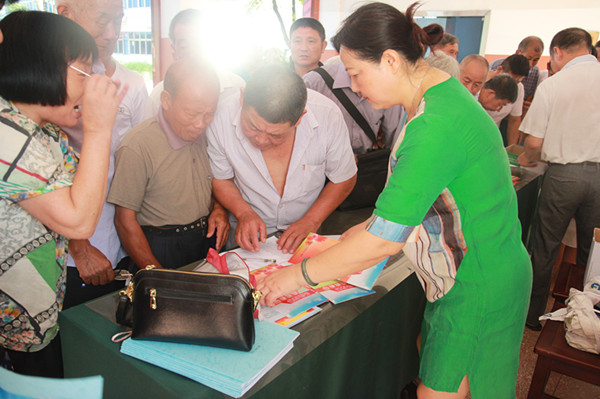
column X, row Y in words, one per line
column 361, row 348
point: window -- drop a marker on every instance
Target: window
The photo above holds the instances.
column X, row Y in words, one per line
column 136, row 3
column 134, row 43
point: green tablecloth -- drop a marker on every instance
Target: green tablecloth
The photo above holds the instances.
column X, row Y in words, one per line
column 362, row 348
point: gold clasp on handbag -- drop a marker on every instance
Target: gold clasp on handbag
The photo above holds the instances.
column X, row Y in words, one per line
column 153, row 298
column 256, row 295
column 128, row 291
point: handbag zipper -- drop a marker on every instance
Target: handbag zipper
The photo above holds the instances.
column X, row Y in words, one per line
column 153, row 299
column 165, row 293
column 256, row 294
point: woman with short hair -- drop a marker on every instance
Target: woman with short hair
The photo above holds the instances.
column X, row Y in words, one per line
column 449, row 204
column 47, row 195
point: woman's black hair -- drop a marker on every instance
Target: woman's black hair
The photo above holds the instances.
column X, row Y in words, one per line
column 376, row 27
column 35, row 53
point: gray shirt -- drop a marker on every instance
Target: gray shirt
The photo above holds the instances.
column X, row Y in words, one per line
column 389, row 120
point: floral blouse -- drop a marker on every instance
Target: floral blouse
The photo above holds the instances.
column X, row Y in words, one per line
column 34, row 160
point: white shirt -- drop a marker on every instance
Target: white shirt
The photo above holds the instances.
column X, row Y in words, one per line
column 514, row 109
column 131, row 112
column 230, row 84
column 564, row 113
column 321, row 149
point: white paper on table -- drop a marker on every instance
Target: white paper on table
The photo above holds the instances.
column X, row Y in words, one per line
column 267, row 255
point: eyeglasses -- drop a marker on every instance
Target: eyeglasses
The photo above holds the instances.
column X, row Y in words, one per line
column 79, row 70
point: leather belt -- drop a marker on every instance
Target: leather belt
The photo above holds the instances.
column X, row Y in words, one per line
column 198, row 225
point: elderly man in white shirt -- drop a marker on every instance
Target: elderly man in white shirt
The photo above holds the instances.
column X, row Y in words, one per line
column 271, row 151
column 563, row 128
column 91, row 262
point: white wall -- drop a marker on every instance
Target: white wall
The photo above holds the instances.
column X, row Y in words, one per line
column 508, row 22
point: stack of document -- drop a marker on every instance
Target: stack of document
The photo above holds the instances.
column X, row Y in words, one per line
column 229, row 371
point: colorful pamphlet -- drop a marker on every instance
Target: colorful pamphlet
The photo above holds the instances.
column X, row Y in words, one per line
column 270, row 314
column 299, row 305
column 312, row 245
column 338, row 292
column 315, row 244
column 295, row 303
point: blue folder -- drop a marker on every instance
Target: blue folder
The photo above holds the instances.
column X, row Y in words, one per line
column 17, row 386
column 229, row 371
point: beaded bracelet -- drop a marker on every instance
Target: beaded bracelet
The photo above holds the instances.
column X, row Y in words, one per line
column 305, row 274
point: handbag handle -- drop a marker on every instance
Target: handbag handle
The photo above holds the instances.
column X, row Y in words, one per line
column 220, row 262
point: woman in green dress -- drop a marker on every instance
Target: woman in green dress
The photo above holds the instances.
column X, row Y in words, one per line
column 449, row 204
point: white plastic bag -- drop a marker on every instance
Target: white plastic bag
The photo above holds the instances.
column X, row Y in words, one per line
column 582, row 324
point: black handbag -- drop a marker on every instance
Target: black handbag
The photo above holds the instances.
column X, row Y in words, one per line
column 209, row 309
column 372, row 166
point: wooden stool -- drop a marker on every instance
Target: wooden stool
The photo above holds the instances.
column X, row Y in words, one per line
column 554, row 354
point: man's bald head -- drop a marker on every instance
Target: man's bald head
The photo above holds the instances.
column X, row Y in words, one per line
column 182, row 71
column 189, row 99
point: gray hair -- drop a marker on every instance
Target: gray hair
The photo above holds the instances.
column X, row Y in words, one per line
column 447, row 38
column 531, row 41
column 441, row 60
column 476, row 58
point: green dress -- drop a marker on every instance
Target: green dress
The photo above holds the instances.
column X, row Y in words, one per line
column 450, row 198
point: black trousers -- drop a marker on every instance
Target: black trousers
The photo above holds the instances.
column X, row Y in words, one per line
column 44, row 363
column 175, row 249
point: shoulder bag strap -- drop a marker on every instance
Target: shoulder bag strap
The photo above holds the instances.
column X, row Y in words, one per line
column 351, row 108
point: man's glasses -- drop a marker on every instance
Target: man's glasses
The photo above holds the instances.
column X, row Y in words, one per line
column 79, row 70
